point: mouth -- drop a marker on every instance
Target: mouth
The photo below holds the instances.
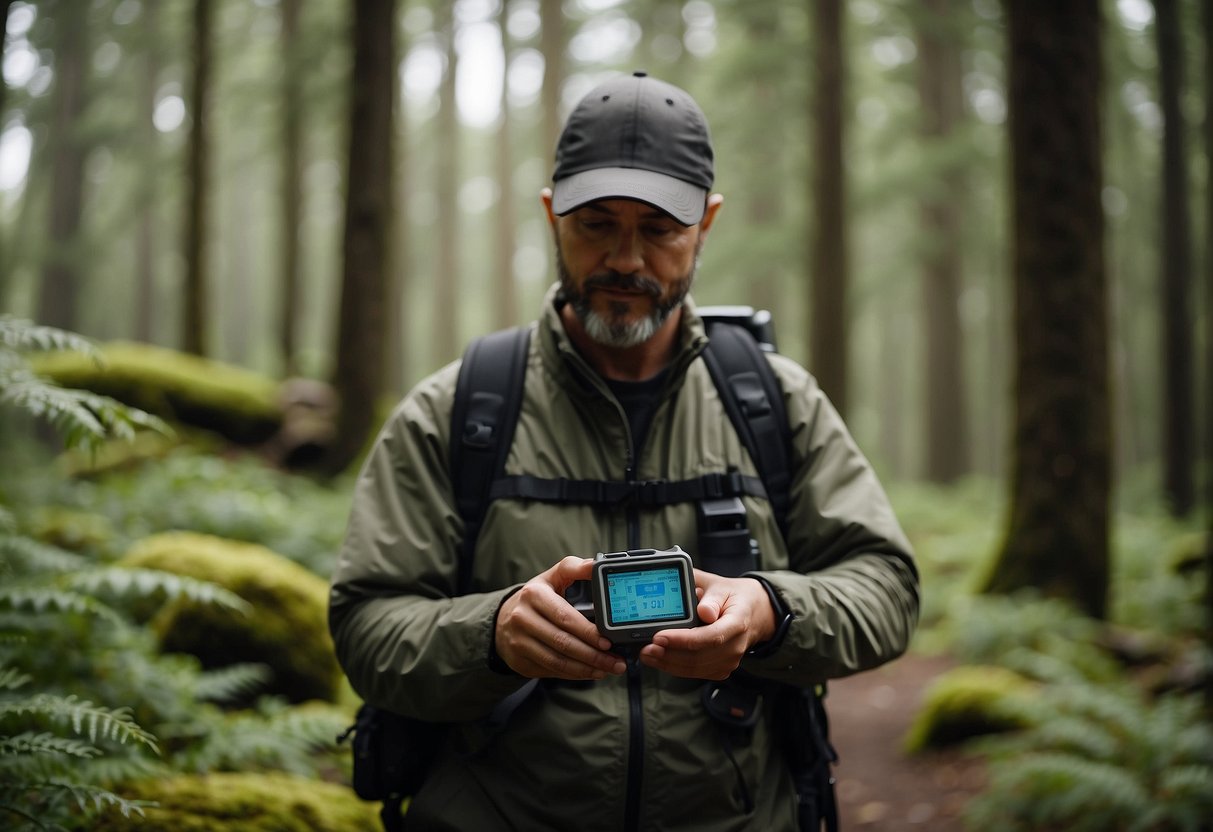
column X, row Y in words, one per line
column 633, row 287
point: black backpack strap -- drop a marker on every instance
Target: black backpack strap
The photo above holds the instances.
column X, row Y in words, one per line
column 488, row 396
column 753, row 400
column 642, row 493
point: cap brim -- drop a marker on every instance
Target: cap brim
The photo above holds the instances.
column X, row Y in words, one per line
column 681, row 200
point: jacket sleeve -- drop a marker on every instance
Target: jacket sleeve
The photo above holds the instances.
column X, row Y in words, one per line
column 852, row 586
column 404, row 641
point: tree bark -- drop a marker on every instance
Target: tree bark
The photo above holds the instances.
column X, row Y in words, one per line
column 446, row 170
column 1207, row 27
column 358, row 374
column 828, row 349
column 61, row 273
column 552, row 43
column 291, row 299
column 941, row 94
column 1177, row 351
column 506, row 302
column 395, row 365
column 1058, row 536
column 145, row 241
column 195, row 298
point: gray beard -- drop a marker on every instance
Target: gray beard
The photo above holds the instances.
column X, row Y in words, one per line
column 612, row 330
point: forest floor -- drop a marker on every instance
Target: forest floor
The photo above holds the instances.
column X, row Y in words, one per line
column 880, row 788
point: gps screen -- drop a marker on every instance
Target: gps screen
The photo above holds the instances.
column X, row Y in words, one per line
column 645, row 595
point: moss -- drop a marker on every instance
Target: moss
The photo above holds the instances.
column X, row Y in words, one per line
column 287, row 628
column 969, row 702
column 237, row 403
column 66, row 528
column 242, row 802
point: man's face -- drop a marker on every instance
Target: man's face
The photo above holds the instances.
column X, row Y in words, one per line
column 624, row 267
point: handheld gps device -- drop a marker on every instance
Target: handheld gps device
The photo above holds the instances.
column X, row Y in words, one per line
column 640, row 592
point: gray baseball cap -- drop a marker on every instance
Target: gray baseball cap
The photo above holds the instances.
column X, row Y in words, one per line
column 635, row 137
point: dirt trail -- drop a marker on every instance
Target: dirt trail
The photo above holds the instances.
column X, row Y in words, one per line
column 880, row 789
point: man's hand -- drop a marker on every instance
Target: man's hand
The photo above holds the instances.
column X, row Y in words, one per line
column 540, row 635
column 735, row 615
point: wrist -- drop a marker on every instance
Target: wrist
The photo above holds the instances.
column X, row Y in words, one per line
column 780, row 619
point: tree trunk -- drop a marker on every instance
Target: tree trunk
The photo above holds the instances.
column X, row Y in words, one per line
column 195, row 297
column 1207, row 25
column 941, row 94
column 145, row 241
column 291, row 299
column 552, row 43
column 61, row 272
column 396, row 364
column 1177, row 352
column 446, row 170
column 358, row 374
column 1058, row 536
column 828, row 258
column 506, row 303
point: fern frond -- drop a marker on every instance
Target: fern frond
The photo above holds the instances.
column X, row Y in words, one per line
column 46, row 743
column 11, row 678
column 123, row 583
column 81, row 416
column 86, row 719
column 232, row 683
column 1058, row 791
column 20, row 335
column 58, row 601
column 88, row 796
column 28, row 556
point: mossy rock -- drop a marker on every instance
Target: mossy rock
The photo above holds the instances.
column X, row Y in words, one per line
column 68, row 528
column 286, row 629
column 970, row 702
column 242, row 802
column 236, row 403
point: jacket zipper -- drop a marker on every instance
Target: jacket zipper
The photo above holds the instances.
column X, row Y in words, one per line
column 635, row 693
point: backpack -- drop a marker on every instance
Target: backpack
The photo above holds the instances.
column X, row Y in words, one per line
column 393, row 753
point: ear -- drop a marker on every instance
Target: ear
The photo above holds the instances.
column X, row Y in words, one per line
column 709, row 213
column 546, row 196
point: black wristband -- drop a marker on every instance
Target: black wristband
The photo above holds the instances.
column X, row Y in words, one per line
column 783, row 620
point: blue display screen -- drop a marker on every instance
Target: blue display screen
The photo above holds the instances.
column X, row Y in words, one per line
column 641, row 596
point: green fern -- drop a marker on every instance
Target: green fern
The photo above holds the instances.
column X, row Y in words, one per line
column 39, row 599
column 278, row 738
column 122, row 583
column 46, row 743
column 1105, row 760
column 19, row 336
column 86, row 719
column 82, row 418
column 11, row 678
column 25, row 556
column 234, row 683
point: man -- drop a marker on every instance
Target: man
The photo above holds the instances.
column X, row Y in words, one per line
column 615, row 391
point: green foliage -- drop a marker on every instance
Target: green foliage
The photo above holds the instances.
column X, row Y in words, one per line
column 237, row 498
column 1044, row 639
column 970, row 702
column 244, row 803
column 82, row 417
column 233, row 402
column 1104, row 760
column 88, row 705
column 286, row 628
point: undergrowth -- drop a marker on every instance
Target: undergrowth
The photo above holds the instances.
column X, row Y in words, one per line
column 1118, row 735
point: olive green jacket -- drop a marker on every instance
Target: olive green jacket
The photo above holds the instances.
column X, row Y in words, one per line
column 568, row 755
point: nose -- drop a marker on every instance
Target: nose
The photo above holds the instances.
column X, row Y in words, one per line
column 626, row 254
